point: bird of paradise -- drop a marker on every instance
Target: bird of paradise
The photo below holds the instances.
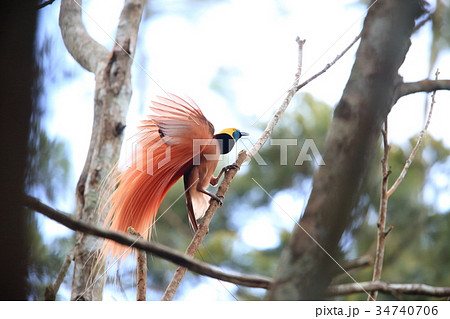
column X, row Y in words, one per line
column 177, row 141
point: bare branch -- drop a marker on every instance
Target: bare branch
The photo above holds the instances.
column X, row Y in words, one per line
column 276, row 117
column 85, row 50
column 203, row 228
column 387, row 288
column 292, row 91
column 141, row 273
column 243, row 156
column 381, row 225
column 426, row 86
column 329, row 65
column 45, row 3
column 52, row 290
column 157, row 249
column 386, row 193
column 416, row 147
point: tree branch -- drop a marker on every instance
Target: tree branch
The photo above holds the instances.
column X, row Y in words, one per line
column 85, row 50
column 141, row 273
column 426, row 86
column 52, row 289
column 388, row 288
column 292, row 91
column 416, row 147
column 45, row 3
column 203, row 228
column 157, row 249
column 276, row 117
column 381, row 225
column 329, row 65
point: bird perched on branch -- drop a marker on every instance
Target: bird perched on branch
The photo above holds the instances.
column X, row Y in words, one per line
column 177, row 141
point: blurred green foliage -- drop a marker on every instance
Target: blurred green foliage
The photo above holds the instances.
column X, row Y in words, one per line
column 47, row 177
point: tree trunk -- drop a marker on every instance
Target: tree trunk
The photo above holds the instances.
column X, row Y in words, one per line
column 112, row 97
column 305, row 268
column 17, row 69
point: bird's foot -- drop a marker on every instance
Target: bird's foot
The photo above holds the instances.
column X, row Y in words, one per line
column 218, row 198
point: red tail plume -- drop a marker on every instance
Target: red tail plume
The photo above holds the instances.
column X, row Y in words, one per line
column 163, row 152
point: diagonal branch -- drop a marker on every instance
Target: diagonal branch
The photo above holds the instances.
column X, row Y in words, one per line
column 159, row 250
column 203, row 228
column 276, row 117
column 329, row 65
column 244, row 156
column 52, row 289
column 292, row 91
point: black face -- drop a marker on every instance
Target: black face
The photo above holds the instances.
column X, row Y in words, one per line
column 226, row 142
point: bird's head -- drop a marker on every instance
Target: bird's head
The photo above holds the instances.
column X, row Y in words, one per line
column 227, row 138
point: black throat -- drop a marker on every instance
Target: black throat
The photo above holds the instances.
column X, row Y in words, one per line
column 226, row 142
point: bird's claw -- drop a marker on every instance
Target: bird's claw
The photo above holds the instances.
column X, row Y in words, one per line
column 218, row 198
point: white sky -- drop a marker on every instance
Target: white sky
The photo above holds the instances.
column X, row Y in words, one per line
column 254, row 39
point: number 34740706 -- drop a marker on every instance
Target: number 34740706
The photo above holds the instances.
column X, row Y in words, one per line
column 407, row 310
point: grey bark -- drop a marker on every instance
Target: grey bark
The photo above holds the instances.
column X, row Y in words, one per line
column 112, row 96
column 304, row 270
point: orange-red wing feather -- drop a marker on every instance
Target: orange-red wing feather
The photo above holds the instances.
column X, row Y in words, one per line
column 163, row 152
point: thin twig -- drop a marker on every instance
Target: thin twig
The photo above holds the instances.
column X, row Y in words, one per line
column 381, row 234
column 329, row 65
column 141, row 290
column 416, row 147
column 276, row 117
column 291, row 92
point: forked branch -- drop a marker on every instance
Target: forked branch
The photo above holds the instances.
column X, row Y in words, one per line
column 386, row 193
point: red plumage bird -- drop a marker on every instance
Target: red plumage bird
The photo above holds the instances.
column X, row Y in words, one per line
column 176, row 141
